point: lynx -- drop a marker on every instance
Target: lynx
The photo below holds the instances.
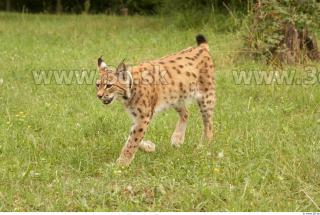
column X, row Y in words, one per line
column 188, row 74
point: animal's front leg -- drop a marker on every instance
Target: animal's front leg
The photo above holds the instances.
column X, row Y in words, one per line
column 130, row 148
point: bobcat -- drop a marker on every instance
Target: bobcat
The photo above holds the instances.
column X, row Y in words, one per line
column 158, row 84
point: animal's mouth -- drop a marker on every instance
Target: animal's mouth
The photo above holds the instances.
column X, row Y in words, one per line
column 107, row 100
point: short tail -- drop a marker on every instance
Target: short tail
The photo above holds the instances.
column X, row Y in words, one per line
column 200, row 39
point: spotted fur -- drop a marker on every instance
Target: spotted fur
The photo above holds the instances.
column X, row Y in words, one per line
column 159, row 84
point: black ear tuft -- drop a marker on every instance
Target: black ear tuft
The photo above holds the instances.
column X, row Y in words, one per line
column 200, row 39
column 100, row 60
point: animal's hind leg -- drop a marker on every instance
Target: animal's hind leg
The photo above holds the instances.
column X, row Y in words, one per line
column 177, row 137
column 206, row 104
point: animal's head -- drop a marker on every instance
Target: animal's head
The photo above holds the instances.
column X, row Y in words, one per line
column 113, row 84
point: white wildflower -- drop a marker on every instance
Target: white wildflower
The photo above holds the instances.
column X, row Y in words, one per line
column 220, row 155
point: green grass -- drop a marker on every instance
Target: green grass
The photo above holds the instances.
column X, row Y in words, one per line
column 58, row 143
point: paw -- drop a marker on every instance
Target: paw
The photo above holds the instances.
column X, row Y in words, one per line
column 177, row 139
column 123, row 162
column 147, row 146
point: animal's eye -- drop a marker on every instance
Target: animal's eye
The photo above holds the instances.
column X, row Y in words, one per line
column 109, row 85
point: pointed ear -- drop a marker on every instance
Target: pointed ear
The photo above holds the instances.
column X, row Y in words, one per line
column 121, row 67
column 101, row 64
column 100, row 60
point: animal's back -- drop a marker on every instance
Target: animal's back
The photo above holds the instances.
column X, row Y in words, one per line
column 177, row 77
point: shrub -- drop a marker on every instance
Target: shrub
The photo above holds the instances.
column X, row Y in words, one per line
column 281, row 30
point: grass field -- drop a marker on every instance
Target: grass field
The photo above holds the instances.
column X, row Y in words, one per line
column 58, row 143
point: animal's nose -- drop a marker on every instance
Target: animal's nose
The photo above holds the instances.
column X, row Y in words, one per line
column 99, row 96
